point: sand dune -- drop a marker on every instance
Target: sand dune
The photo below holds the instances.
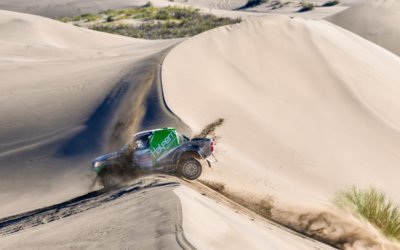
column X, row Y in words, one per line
column 63, row 92
column 69, row 95
column 310, row 108
column 375, row 20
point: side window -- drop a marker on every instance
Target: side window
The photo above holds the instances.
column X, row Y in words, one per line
column 143, row 143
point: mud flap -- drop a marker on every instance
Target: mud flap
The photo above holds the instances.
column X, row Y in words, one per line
column 213, row 160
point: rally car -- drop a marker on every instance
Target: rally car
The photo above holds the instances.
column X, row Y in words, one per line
column 158, row 150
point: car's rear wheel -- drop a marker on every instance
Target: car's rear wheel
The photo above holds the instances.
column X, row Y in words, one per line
column 190, row 169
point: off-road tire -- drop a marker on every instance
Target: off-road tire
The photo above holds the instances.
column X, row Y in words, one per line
column 190, row 169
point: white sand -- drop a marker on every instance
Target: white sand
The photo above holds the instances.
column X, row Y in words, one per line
column 375, row 20
column 310, row 108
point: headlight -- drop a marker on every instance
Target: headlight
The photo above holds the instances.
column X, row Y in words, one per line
column 97, row 164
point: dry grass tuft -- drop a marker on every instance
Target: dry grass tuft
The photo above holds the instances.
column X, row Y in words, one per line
column 374, row 206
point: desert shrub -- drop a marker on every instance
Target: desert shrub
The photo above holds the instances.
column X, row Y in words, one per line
column 331, row 3
column 148, row 4
column 158, row 23
column 110, row 19
column 306, row 6
column 87, row 17
column 174, row 23
column 374, row 206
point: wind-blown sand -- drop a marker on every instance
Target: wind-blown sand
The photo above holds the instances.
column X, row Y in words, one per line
column 377, row 21
column 310, row 108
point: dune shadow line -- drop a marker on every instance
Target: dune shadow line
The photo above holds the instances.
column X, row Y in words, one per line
column 93, row 135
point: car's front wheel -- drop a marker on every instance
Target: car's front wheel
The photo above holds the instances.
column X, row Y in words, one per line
column 190, row 169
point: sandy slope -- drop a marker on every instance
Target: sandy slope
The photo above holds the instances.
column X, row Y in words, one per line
column 375, row 20
column 150, row 213
column 67, row 95
column 213, row 225
column 310, row 108
column 128, row 218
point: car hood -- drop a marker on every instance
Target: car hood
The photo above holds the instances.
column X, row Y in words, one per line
column 106, row 157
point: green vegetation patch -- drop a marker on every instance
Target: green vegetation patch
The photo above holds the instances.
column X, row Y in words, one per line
column 152, row 22
column 87, row 17
column 374, row 206
column 306, row 6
